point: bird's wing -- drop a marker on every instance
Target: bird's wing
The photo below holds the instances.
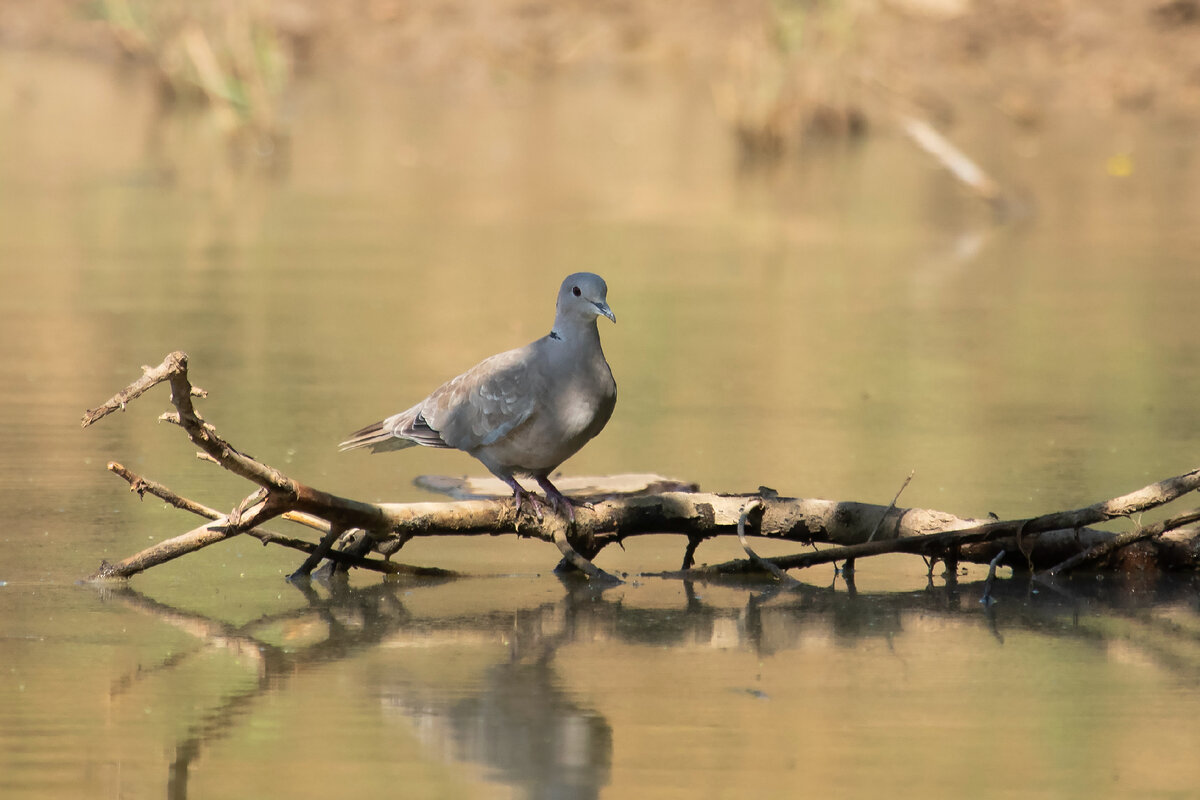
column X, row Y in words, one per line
column 483, row 405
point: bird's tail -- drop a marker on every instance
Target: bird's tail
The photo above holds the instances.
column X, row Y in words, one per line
column 378, row 436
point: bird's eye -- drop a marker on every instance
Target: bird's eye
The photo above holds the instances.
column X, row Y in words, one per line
column 575, row 291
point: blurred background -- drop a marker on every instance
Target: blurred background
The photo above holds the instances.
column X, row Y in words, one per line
column 332, row 208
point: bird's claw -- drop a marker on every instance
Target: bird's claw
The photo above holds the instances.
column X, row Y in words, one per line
column 561, row 505
column 559, row 501
column 527, row 503
column 565, row 506
column 555, row 500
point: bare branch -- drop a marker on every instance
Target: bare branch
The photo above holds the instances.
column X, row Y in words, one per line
column 141, row 485
column 1155, row 494
column 173, row 548
column 151, row 377
column 956, row 162
column 159, row 554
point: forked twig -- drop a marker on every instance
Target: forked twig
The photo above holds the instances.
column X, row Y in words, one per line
column 143, row 485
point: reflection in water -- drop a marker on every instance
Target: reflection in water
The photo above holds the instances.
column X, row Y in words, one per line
column 521, row 725
column 527, row 730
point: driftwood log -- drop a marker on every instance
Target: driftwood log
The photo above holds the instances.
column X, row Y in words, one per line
column 351, row 530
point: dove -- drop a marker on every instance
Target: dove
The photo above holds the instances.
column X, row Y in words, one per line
column 522, row 412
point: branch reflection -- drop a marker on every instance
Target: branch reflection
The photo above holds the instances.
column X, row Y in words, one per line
column 528, row 729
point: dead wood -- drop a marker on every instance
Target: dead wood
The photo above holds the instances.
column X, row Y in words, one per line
column 956, row 162
column 204, row 535
column 630, row 506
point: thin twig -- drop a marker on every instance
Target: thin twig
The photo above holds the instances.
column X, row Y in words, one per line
column 891, row 505
column 780, row 575
column 141, row 485
column 987, row 598
column 255, row 498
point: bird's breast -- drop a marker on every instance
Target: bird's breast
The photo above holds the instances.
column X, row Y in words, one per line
column 581, row 406
column 571, row 412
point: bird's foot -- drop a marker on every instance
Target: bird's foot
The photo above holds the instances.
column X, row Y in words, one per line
column 526, row 503
column 564, row 506
column 559, row 501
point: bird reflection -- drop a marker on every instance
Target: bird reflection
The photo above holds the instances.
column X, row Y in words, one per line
column 522, row 726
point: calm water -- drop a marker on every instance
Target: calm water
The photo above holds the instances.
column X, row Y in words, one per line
column 822, row 329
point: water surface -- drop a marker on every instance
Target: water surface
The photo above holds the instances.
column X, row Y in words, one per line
column 822, row 328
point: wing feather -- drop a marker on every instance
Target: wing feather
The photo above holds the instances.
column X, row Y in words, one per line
column 484, row 404
column 477, row 409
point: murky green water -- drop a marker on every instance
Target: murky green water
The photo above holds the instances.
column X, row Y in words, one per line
column 822, row 329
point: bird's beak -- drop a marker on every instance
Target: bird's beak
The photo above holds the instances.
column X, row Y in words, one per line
column 603, row 310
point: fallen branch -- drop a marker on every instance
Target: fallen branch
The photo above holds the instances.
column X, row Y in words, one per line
column 1104, row 549
column 956, row 162
column 183, row 544
column 205, row 535
column 618, row 509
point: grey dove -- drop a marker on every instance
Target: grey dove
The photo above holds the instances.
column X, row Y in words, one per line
column 524, row 411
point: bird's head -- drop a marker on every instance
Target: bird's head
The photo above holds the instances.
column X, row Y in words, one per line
column 583, row 297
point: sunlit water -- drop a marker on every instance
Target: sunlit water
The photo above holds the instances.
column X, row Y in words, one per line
column 823, row 329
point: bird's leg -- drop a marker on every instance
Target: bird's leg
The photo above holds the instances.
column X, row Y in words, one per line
column 560, row 501
column 521, row 497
